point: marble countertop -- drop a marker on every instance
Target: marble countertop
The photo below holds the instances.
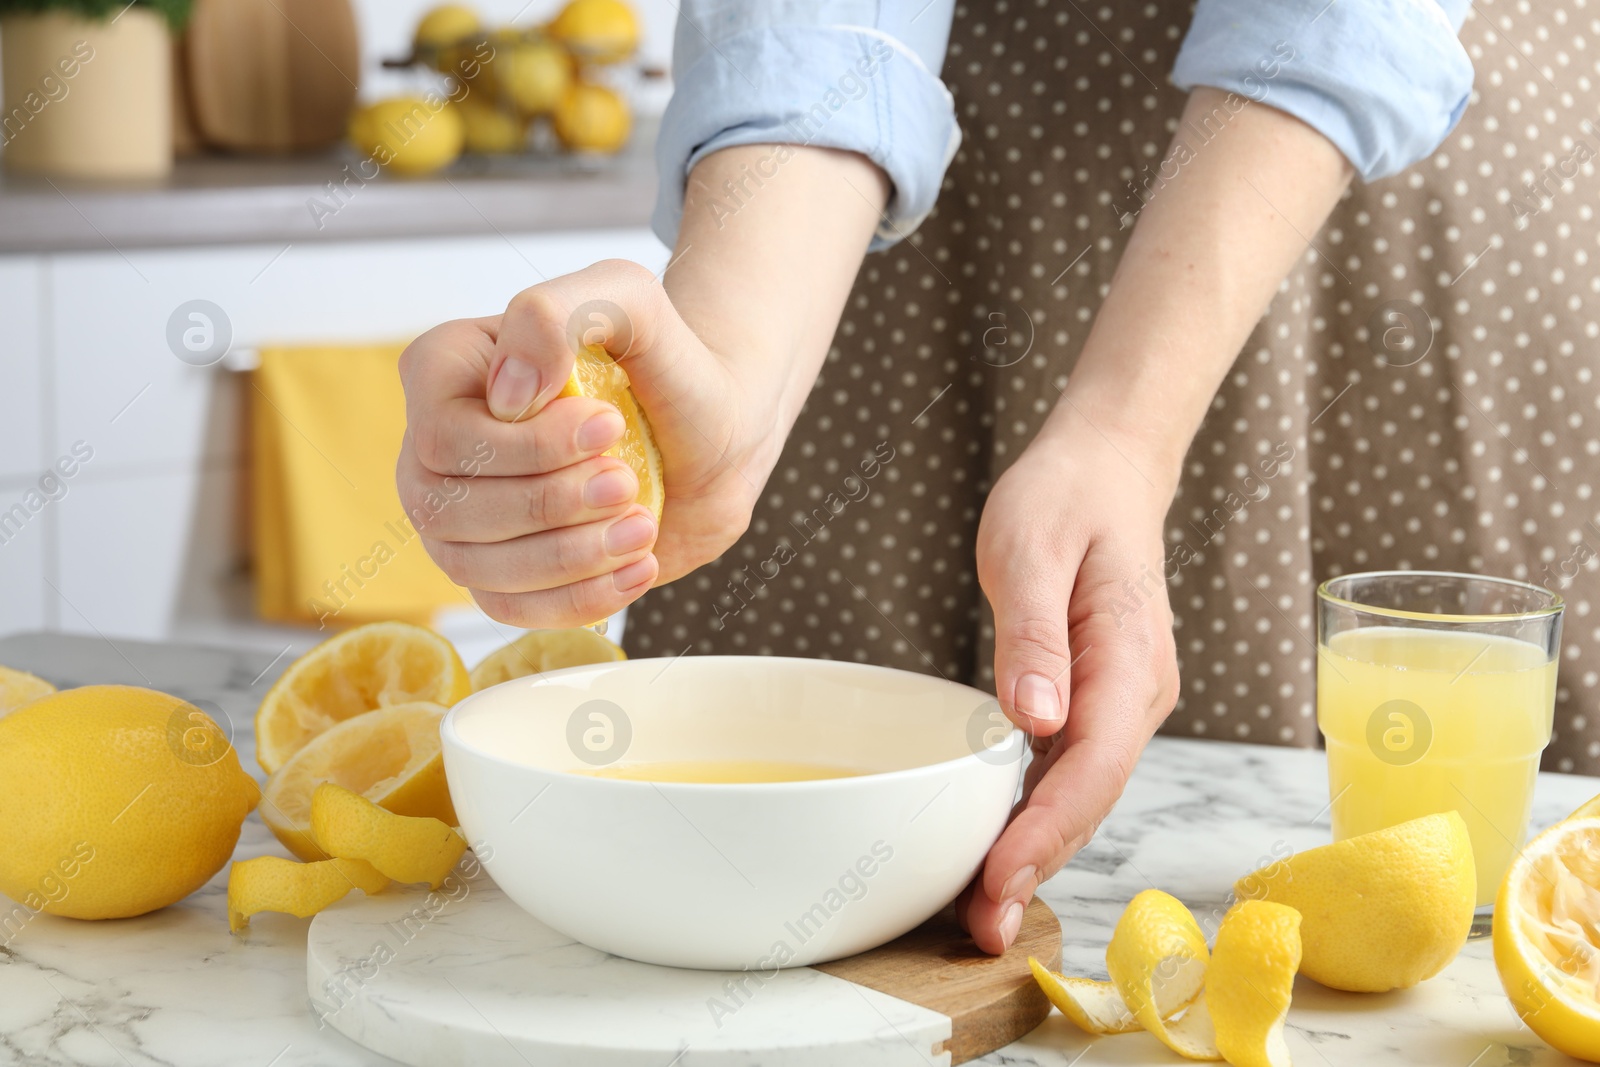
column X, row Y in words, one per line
column 175, row 987
column 210, row 200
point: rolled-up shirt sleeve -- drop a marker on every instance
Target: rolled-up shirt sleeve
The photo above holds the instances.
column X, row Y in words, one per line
column 846, row 74
column 1384, row 80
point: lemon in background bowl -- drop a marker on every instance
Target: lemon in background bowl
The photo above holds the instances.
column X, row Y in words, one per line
column 408, row 134
column 491, row 130
column 534, row 74
column 443, row 26
column 598, row 31
column 592, row 118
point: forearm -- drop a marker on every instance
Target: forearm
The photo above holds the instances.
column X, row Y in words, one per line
column 771, row 240
column 1206, row 256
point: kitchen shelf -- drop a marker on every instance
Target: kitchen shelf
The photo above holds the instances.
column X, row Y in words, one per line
column 222, row 200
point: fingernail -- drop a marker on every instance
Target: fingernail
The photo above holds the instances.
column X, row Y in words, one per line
column 1011, row 923
column 514, row 388
column 629, row 534
column 1024, row 881
column 632, row 575
column 600, row 431
column 1036, row 698
column 609, row 488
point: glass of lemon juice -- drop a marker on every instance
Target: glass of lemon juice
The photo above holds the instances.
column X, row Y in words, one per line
column 1435, row 692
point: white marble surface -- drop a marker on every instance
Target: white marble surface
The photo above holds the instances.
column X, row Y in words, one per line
column 469, row 978
column 175, row 988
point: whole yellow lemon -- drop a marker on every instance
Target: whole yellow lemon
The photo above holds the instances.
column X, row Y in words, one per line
column 409, row 134
column 535, row 75
column 598, row 31
column 492, row 130
column 115, row 801
column 482, row 64
column 592, row 118
column 444, row 25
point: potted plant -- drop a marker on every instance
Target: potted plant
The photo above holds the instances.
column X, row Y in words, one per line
column 87, row 86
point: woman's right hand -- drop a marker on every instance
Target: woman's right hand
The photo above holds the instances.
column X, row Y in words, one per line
column 547, row 532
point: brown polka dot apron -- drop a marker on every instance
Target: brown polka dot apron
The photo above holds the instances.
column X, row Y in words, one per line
column 1421, row 393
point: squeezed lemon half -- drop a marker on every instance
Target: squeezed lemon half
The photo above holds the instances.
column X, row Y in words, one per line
column 373, row 666
column 538, row 651
column 390, row 756
column 1547, row 936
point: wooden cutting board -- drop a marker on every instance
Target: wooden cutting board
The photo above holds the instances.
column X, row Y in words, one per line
column 991, row 1000
column 272, row 76
column 465, row 976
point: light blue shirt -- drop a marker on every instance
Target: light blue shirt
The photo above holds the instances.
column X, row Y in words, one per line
column 1384, row 80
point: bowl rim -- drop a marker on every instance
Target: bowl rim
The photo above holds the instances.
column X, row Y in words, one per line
column 450, row 737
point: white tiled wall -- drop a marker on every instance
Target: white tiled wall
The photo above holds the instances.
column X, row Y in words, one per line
column 147, row 540
column 22, row 561
column 22, row 436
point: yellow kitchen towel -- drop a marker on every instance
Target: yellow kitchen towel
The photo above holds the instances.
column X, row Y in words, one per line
column 333, row 546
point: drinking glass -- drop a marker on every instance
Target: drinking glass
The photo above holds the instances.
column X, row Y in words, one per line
column 1435, row 692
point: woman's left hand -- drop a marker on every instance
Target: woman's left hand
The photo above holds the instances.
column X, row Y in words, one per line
column 1070, row 556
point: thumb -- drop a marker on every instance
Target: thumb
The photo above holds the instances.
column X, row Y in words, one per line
column 613, row 304
column 1032, row 656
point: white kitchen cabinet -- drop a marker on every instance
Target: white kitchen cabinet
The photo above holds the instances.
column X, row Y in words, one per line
column 22, row 431
column 149, row 533
column 22, row 563
column 121, row 387
column 128, row 544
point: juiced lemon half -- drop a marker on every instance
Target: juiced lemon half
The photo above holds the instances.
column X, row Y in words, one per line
column 374, row 666
column 544, row 650
column 390, row 756
column 1590, row 807
column 1547, row 936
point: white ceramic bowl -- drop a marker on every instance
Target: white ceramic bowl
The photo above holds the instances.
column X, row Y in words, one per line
column 738, row 876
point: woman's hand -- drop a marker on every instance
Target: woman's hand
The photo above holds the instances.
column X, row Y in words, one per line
column 1070, row 557
column 1070, row 546
column 548, row 533
column 721, row 357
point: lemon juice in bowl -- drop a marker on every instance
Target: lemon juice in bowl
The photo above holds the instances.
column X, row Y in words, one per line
column 1435, row 692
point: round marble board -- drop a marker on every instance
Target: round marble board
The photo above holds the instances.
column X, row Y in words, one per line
column 464, row 976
